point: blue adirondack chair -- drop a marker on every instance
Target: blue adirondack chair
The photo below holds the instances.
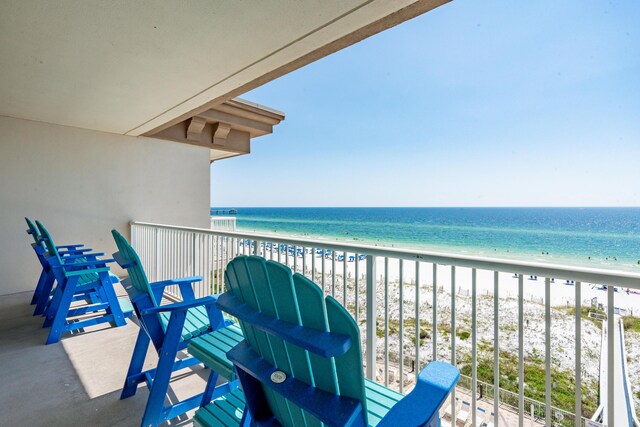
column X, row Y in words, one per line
column 170, row 327
column 46, row 276
column 49, row 253
column 301, row 362
column 80, row 276
column 42, row 295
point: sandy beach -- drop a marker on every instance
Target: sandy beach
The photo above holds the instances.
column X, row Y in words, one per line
column 562, row 293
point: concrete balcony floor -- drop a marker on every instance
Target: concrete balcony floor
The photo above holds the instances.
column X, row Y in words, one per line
column 76, row 381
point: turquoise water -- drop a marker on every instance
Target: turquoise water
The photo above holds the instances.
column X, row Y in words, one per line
column 596, row 237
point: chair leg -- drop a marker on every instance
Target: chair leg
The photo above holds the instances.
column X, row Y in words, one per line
column 45, row 292
column 39, row 286
column 110, row 294
column 160, row 384
column 134, row 374
column 53, row 305
column 60, row 314
column 246, row 418
column 210, row 388
column 99, row 295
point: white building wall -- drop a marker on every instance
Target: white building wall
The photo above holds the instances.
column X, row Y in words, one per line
column 82, row 183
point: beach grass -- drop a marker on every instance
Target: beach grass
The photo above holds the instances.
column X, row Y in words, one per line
column 563, row 395
column 584, row 311
column 631, row 323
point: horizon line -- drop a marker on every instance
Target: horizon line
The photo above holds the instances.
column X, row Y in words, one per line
column 429, row 207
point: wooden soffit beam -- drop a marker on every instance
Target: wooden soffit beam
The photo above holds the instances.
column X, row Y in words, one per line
column 226, row 129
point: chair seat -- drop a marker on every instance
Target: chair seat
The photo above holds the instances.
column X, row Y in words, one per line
column 211, row 349
column 85, row 278
column 93, row 277
column 227, row 410
column 125, row 306
column 196, row 323
column 380, row 400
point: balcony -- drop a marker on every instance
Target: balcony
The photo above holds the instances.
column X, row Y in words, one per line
column 113, row 111
column 518, row 367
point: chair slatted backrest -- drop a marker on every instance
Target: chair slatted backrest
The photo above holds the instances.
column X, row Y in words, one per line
column 48, row 241
column 33, row 230
column 134, row 267
column 271, row 288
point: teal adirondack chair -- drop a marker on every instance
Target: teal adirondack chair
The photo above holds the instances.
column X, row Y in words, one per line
column 301, row 362
column 82, row 276
column 170, row 327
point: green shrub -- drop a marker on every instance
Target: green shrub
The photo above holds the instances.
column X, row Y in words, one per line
column 631, row 323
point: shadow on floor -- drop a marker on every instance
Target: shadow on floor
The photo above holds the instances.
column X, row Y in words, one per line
column 76, row 381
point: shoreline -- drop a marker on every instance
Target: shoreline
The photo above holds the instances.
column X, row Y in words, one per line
column 562, row 292
column 609, row 263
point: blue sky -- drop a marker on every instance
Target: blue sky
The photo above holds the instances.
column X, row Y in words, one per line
column 492, row 103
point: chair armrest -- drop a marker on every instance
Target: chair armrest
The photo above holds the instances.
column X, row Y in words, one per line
column 256, row 372
column 181, row 306
column 186, row 291
column 86, row 271
column 66, row 258
column 69, row 246
column 97, row 263
column 325, row 344
column 170, row 282
column 89, row 257
column 420, row 407
column 63, row 252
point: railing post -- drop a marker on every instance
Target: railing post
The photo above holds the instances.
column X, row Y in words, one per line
column 474, row 344
column 132, row 227
column 157, row 248
column 194, row 267
column 610, row 421
column 578, row 367
column 371, row 317
column 533, row 416
column 547, row 351
column 193, row 254
column 434, row 320
column 496, row 347
column 521, row 407
column 453, row 336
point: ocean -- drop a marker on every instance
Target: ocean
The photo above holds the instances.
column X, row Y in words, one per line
column 594, row 237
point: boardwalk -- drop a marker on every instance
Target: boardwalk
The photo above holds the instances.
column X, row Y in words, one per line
column 506, row 417
column 621, row 408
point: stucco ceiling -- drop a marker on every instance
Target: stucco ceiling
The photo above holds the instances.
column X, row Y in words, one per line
column 131, row 67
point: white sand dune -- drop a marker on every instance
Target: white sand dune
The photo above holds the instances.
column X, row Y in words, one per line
column 561, row 293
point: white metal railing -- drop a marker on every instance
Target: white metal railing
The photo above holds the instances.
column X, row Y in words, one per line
column 392, row 293
column 226, row 223
column 510, row 400
column 627, row 384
